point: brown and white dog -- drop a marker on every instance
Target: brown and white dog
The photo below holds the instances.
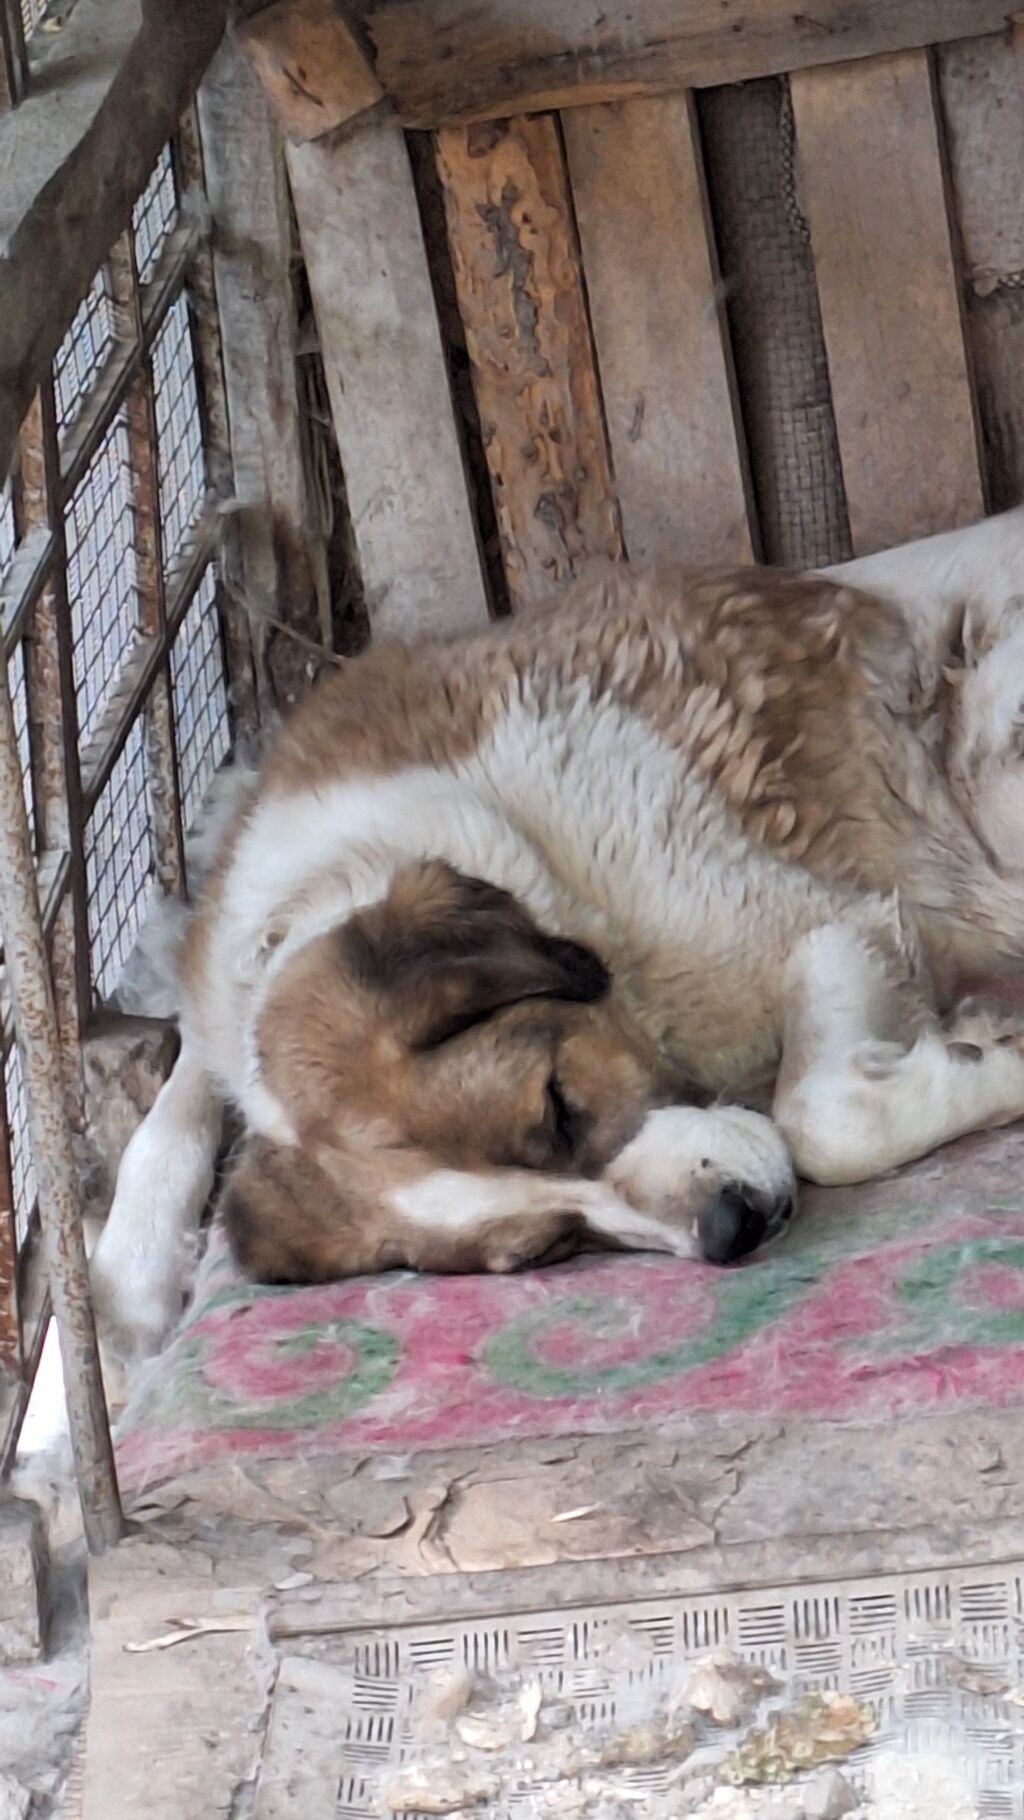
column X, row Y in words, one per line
column 603, row 925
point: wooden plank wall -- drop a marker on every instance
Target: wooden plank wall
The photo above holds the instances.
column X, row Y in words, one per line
column 781, row 320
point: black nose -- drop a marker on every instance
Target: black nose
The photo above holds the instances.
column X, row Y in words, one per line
column 737, row 1221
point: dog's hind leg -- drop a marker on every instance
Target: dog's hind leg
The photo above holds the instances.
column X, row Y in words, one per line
column 143, row 1258
column 860, row 1089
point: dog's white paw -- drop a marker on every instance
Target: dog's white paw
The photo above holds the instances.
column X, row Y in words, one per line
column 978, row 1026
column 137, row 1297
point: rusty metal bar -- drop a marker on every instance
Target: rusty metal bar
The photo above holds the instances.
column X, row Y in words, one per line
column 60, row 1214
column 58, row 783
column 46, row 724
column 244, row 685
column 158, row 723
column 49, row 730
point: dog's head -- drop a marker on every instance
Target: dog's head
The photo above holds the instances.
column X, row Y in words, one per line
column 463, row 1092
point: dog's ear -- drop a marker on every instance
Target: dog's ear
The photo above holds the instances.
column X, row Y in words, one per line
column 285, row 1220
column 446, row 952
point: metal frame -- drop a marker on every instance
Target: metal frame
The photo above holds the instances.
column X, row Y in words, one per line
column 48, row 979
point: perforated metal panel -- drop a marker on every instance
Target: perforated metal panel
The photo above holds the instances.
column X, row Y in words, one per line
column 908, row 1648
column 154, row 216
column 23, row 1176
column 8, row 532
column 200, row 698
column 19, row 701
column 103, row 589
column 84, row 351
column 181, row 467
column 117, row 863
column 31, row 13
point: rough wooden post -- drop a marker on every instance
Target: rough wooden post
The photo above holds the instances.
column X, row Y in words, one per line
column 204, row 317
column 281, row 544
column 385, row 367
column 873, row 187
column 521, row 294
column 311, row 65
column 655, row 304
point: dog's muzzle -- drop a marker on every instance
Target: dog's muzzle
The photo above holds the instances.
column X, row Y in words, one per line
column 738, row 1221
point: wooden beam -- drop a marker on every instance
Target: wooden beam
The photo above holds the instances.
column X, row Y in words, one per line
column 280, row 544
column 666, row 372
column 311, row 65
column 388, row 385
column 980, row 81
column 872, row 186
column 520, row 291
column 448, row 61
column 73, row 158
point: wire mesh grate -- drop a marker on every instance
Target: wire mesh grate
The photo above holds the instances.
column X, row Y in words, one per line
column 199, row 684
column 8, row 528
column 181, row 466
column 154, row 216
column 31, row 13
column 84, row 351
column 23, row 1175
column 103, row 587
column 19, row 701
column 117, row 864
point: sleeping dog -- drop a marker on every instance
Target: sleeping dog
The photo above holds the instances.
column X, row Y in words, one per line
column 602, row 926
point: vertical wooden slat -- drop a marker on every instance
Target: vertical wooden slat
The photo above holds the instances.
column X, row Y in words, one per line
column 872, row 186
column 390, row 398
column 981, row 82
column 284, row 575
column 243, row 689
column 520, row 289
column 655, row 296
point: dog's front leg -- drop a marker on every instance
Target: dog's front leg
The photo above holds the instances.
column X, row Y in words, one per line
column 852, row 1099
column 142, row 1261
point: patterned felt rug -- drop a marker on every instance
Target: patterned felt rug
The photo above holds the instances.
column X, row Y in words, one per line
column 907, row 1295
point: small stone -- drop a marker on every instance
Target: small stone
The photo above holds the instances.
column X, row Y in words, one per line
column 23, row 1572
column 725, row 1688
column 438, row 1788
column 450, row 1694
column 827, row 1797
